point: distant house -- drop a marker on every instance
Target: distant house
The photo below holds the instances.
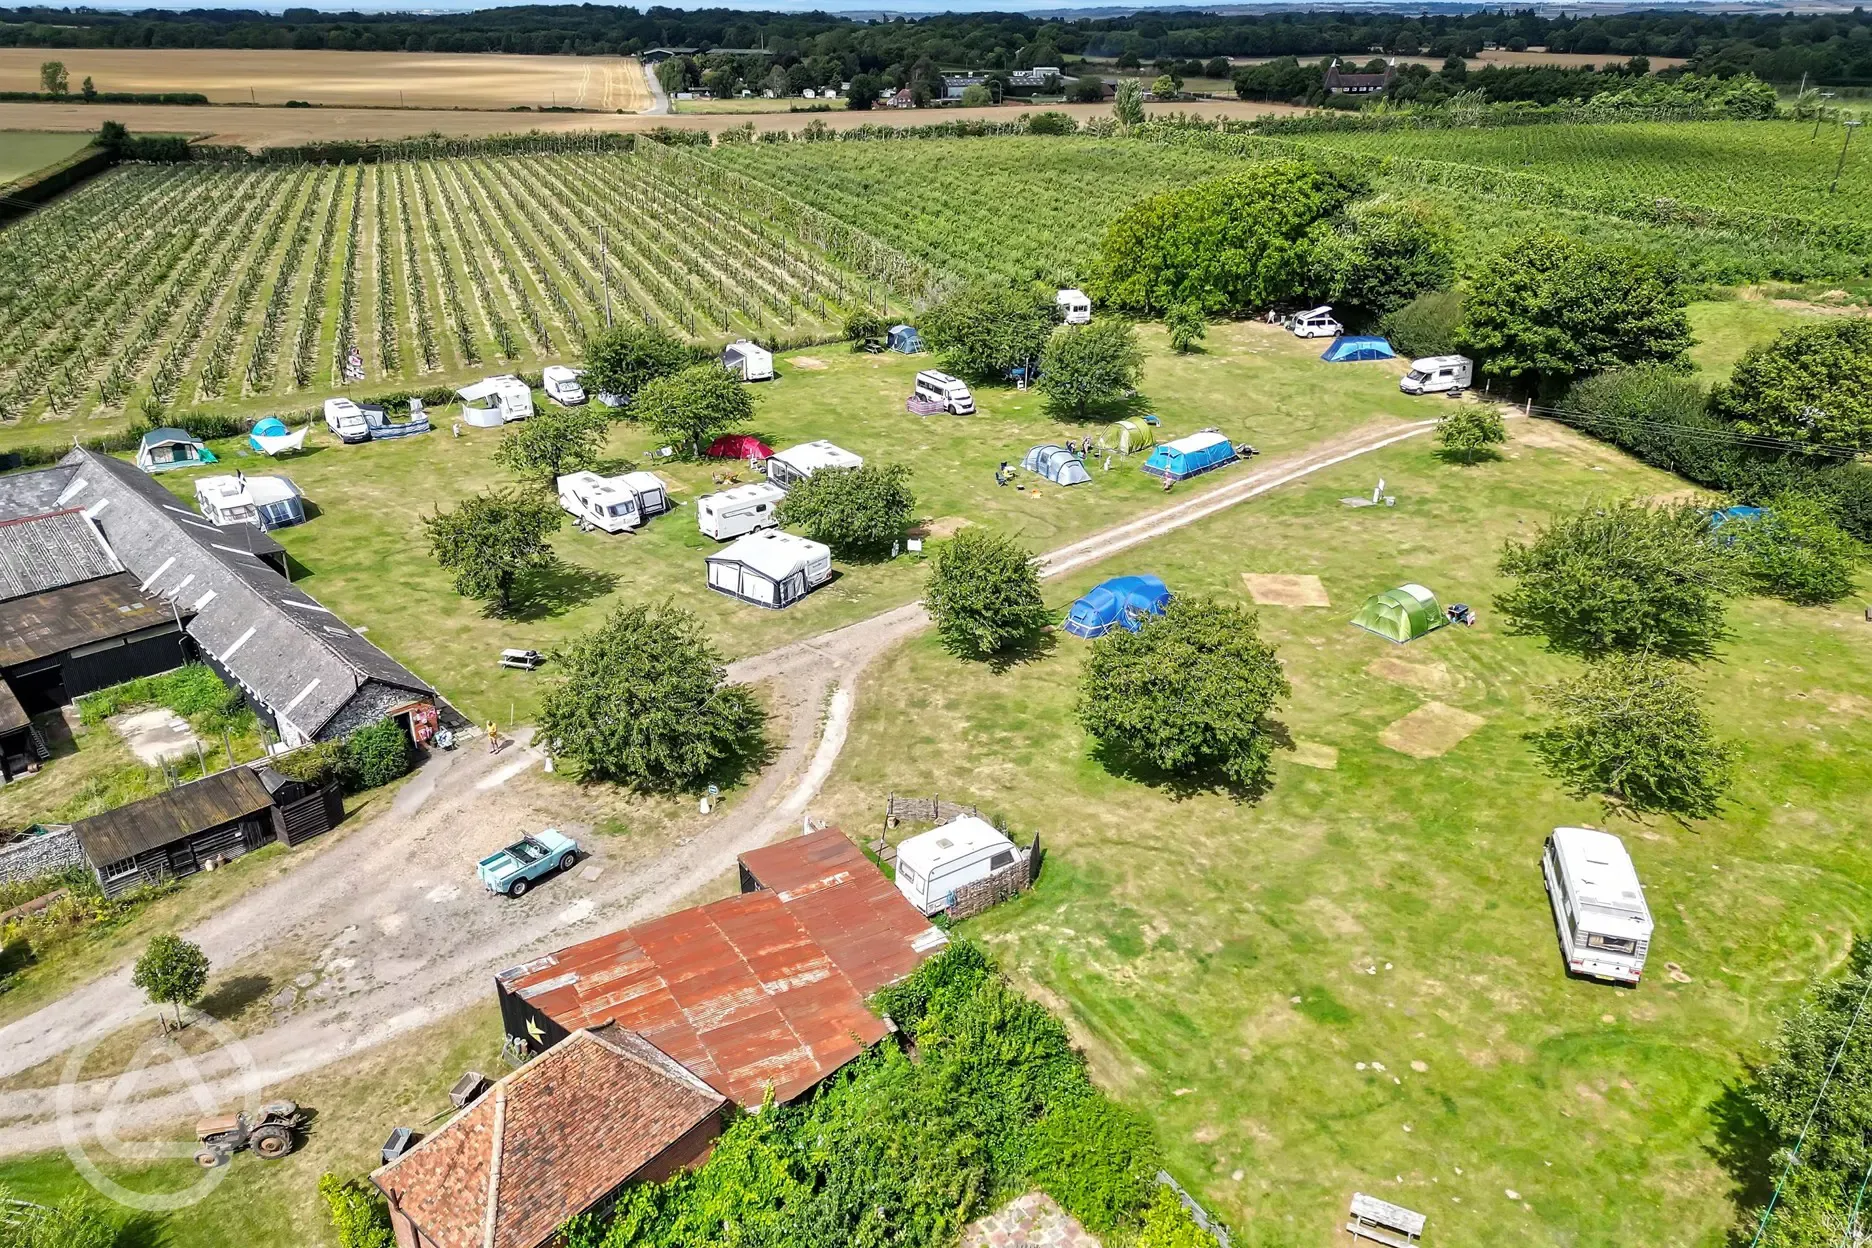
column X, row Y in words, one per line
column 903, row 99
column 1035, row 77
column 955, row 85
column 1338, row 82
column 656, row 56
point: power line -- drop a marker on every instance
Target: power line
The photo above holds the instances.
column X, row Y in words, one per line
column 1754, row 441
column 1852, row 1219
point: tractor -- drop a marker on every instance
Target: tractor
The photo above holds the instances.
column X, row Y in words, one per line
column 270, row 1134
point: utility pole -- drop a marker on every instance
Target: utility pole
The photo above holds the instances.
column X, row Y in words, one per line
column 604, row 265
column 1819, row 112
column 1841, row 167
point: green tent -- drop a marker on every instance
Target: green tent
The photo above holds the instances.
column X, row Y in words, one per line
column 1402, row 614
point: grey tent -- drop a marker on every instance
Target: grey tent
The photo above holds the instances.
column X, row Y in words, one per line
column 1056, row 464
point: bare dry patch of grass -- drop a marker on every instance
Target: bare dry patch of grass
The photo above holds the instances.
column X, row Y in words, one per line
column 1432, row 677
column 1275, row 589
column 1431, row 730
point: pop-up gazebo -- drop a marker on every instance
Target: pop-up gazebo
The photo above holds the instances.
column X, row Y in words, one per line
column 1402, row 614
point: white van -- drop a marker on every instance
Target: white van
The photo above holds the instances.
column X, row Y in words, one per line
column 346, row 419
column 748, row 361
column 1315, row 323
column 743, row 509
column 951, row 392
column 562, row 385
column 788, row 468
column 1438, row 374
column 1598, row 904
column 613, row 504
column 1075, row 306
column 496, row 401
column 931, row 866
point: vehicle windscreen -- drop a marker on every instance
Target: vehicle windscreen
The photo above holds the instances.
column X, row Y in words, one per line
column 1417, row 374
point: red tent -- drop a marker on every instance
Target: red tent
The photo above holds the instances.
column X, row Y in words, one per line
column 739, row 446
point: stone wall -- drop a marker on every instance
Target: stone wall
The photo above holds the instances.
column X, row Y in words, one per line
column 38, row 856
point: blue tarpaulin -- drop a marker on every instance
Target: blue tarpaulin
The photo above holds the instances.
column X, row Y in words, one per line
column 1357, row 348
column 1121, row 602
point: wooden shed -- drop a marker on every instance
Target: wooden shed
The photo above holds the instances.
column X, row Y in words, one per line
column 180, row 832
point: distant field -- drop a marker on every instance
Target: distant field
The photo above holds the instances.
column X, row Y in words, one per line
column 23, row 151
column 359, row 79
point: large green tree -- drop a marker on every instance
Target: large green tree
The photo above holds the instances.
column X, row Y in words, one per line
column 552, row 441
column 1812, row 385
column 1470, row 429
column 1629, row 728
column 1087, row 364
column 1190, row 692
column 1233, row 244
column 488, row 540
column 1620, row 576
column 172, row 971
column 1383, row 253
column 621, row 360
column 855, row 511
column 983, row 592
column 644, row 700
column 984, row 330
column 1796, row 551
column 695, row 406
column 1552, row 307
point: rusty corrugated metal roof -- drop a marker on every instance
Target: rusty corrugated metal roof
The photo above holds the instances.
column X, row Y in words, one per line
column 762, row 990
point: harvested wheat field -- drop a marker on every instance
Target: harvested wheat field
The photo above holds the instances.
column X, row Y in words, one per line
column 357, row 79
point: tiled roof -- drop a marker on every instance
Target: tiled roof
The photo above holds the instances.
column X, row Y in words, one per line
column 32, row 493
column 547, row 1142
column 44, row 552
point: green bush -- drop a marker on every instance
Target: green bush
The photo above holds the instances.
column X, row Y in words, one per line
column 1424, row 326
column 1167, row 1224
column 358, row 1213
column 319, row 763
column 1099, row 1160
column 188, row 691
column 1796, row 551
column 377, row 754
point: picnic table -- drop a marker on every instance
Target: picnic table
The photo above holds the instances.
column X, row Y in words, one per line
column 1383, row 1222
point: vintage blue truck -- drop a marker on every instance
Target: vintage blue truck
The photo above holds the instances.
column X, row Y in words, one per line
column 513, row 870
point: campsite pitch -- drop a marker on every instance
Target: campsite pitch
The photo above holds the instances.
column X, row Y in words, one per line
column 1274, row 589
column 1431, row 730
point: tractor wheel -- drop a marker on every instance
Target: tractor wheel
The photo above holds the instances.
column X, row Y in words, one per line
column 271, row 1143
column 569, row 860
column 517, row 888
column 209, row 1158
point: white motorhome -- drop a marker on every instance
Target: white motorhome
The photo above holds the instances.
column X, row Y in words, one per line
column 495, row 401
column 1598, row 904
column 769, row 568
column 613, row 504
column 932, row 865
column 788, row 468
column 951, row 392
column 743, row 509
column 1075, row 306
column 1315, row 323
column 1438, row 374
column 562, row 385
column 346, row 419
column 224, row 500
column 748, row 361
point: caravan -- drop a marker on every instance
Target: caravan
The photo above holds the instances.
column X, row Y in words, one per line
column 931, row 866
column 1451, row 374
column 1075, row 307
column 495, row 401
column 1598, row 904
column 613, row 504
column 741, row 510
column 349, row 421
column 748, row 361
column 788, row 468
column 769, row 569
column 951, row 392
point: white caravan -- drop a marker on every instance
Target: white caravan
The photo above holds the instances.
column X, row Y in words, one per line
column 743, row 509
column 1438, row 374
column 1075, row 306
column 748, row 361
column 562, row 384
column 951, row 392
column 932, row 865
column 1315, row 323
column 346, row 419
column 225, row 500
column 496, row 401
column 788, row 468
column 1598, row 904
column 613, row 504
column 769, row 569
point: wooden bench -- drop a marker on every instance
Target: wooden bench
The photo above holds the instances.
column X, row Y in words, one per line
column 1383, row 1222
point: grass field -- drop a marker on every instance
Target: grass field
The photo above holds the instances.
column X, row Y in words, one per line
column 1229, row 967
column 367, row 79
column 23, row 152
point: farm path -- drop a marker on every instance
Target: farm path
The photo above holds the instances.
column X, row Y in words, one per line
column 397, row 932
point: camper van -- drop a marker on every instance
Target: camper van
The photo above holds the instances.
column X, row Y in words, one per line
column 1315, row 323
column 1075, row 306
column 496, row 401
column 748, row 361
column 931, row 866
column 1438, row 373
column 743, row 509
column 1598, row 904
column 613, row 504
column 562, row 384
column 951, row 392
column 346, row 419
column 788, row 468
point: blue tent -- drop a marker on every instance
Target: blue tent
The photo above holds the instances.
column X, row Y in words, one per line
column 1056, row 464
column 904, row 338
column 1745, row 514
column 1186, row 457
column 1121, row 602
column 1357, row 348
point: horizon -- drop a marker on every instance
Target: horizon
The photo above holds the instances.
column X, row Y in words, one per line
column 857, row 9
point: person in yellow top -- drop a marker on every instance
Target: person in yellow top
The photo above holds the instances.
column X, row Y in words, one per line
column 493, row 738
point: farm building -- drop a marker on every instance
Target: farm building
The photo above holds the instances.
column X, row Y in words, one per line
column 1121, row 602
column 1191, row 456
column 747, row 360
column 563, row 1135
column 163, row 449
column 788, row 468
column 1056, row 464
column 769, row 568
column 1402, row 614
column 1339, row 82
column 763, row 991
column 268, row 502
column 1355, row 347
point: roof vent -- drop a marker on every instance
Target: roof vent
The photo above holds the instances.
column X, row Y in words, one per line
column 943, row 842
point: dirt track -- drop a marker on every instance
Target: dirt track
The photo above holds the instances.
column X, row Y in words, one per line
column 405, row 937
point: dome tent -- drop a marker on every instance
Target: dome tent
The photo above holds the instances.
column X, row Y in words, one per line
column 1121, row 602
column 1056, row 464
column 1402, row 614
column 1355, row 347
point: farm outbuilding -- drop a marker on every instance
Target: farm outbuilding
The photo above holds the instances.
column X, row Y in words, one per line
column 1129, row 437
column 748, row 360
column 178, row 833
column 1357, row 347
column 769, row 568
column 1056, row 464
column 904, row 338
column 163, row 449
column 1402, row 614
column 1121, row 602
column 1191, row 456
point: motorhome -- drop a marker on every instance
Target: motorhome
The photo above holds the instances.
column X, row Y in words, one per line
column 346, row 419
column 613, row 504
column 1075, row 306
column 932, row 865
column 1315, row 323
column 951, row 392
column 495, row 401
column 1438, row 374
column 788, row 468
column 1598, row 904
column 269, row 502
column 563, row 385
column 769, row 569
column 741, row 510
column 748, row 361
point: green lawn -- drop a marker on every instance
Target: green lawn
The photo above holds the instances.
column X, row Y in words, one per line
column 1725, row 329
column 28, row 151
column 1228, row 966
